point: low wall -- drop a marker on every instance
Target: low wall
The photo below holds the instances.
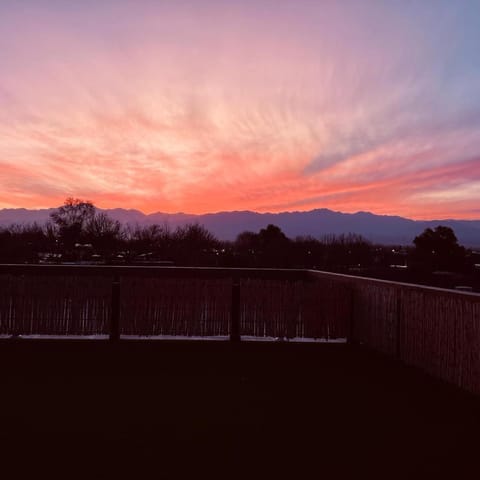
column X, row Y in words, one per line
column 435, row 329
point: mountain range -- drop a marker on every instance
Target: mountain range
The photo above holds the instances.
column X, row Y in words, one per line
column 227, row 225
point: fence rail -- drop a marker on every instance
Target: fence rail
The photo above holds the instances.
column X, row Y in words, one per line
column 435, row 329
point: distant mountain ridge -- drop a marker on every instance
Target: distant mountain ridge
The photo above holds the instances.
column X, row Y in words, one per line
column 227, row 225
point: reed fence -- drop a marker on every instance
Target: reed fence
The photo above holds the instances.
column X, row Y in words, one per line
column 437, row 330
column 166, row 301
column 434, row 329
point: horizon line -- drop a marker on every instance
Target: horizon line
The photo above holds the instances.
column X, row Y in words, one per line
column 158, row 212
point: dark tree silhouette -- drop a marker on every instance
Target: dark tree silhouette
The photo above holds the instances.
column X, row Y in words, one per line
column 272, row 235
column 23, row 243
column 103, row 233
column 149, row 242
column 438, row 249
column 308, row 252
column 194, row 245
column 246, row 250
column 71, row 220
column 273, row 247
column 341, row 251
column 247, row 242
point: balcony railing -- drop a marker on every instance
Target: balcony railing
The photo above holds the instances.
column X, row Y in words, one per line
column 436, row 330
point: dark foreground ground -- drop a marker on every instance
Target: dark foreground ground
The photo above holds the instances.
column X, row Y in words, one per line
column 90, row 409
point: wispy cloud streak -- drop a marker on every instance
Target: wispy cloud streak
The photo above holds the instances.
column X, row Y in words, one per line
column 260, row 105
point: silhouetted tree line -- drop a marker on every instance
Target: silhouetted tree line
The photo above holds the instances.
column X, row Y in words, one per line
column 78, row 232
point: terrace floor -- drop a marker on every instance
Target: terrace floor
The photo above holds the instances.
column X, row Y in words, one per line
column 141, row 409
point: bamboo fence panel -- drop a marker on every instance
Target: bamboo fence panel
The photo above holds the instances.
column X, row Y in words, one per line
column 268, row 308
column 326, row 308
column 54, row 305
column 289, row 309
column 436, row 330
column 441, row 334
column 375, row 316
column 433, row 329
column 174, row 306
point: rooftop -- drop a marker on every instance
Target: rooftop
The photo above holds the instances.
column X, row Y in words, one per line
column 398, row 400
column 249, row 410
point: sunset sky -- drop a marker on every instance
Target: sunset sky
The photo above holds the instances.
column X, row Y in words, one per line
column 203, row 106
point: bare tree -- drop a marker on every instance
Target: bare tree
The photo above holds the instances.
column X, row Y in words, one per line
column 71, row 220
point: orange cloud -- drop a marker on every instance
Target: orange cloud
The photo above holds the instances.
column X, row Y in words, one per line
column 155, row 111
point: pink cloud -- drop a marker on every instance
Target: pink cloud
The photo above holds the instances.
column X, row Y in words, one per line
column 176, row 108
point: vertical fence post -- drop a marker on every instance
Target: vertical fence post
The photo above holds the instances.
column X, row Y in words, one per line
column 235, row 312
column 399, row 330
column 115, row 311
column 351, row 318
